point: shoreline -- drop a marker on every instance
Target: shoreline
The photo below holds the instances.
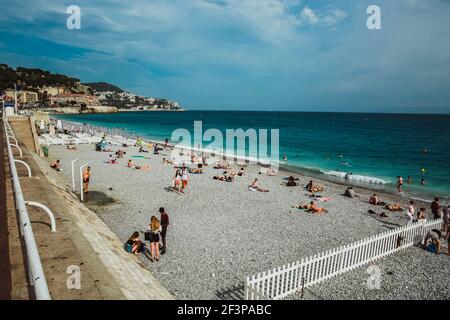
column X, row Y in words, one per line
column 290, row 169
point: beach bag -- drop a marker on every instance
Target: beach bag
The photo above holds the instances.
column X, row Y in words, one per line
column 128, row 247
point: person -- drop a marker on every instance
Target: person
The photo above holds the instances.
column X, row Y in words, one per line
column 184, row 179
column 317, row 210
column 409, row 180
column 141, row 149
column 241, row 172
column 130, row 164
column 164, row 224
column 71, row 147
column 347, row 175
column 167, row 161
column 446, row 217
column 448, row 240
column 144, row 167
column 421, row 216
column 350, row 192
column 120, row 153
column 309, row 186
column 254, row 186
column 291, row 182
column 435, row 237
column 134, row 244
column 166, row 143
column 56, row 165
column 86, row 179
column 399, row 183
column 111, row 160
column 410, row 212
column 177, row 180
column 435, row 206
column 154, row 229
column 422, row 182
column 373, row 199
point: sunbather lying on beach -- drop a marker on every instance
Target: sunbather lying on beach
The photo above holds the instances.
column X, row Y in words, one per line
column 145, row 167
column 111, row 160
column 223, row 165
column 141, row 149
column 254, row 187
column 166, row 161
column 313, row 188
column 71, row 147
column 317, row 210
column 393, row 207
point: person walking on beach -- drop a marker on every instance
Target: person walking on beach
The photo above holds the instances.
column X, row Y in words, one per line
column 399, row 183
column 86, row 179
column 410, row 212
column 435, row 206
column 184, row 179
column 164, row 225
column 177, row 180
column 446, row 217
column 155, row 229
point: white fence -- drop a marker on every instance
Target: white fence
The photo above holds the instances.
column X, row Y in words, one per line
column 283, row 281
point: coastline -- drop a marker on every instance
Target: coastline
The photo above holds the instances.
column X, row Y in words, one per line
column 290, row 169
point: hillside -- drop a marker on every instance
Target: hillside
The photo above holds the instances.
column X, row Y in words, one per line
column 30, row 78
column 103, row 87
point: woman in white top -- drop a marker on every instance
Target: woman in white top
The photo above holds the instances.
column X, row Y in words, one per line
column 410, row 212
column 177, row 180
column 184, row 179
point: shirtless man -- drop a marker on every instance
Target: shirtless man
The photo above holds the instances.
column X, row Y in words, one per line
column 399, row 183
column 86, row 178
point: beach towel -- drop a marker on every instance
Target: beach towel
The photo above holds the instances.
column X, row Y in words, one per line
column 252, row 189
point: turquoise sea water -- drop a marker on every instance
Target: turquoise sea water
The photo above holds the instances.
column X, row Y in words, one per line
column 375, row 148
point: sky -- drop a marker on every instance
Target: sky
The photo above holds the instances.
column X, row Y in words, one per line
column 293, row 55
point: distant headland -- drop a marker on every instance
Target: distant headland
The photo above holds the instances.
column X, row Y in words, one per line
column 57, row 93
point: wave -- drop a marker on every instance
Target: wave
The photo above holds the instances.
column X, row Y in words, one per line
column 355, row 177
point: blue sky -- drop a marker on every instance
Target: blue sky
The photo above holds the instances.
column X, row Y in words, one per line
column 245, row 54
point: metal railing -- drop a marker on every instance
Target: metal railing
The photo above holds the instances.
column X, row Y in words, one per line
column 36, row 272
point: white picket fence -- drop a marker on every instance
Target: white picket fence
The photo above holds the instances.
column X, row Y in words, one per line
column 281, row 282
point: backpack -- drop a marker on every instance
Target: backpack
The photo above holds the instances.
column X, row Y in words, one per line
column 128, row 247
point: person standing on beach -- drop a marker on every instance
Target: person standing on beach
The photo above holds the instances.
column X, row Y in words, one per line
column 86, row 179
column 177, row 181
column 399, row 183
column 155, row 229
column 446, row 217
column 410, row 212
column 435, row 206
column 164, row 224
column 184, row 179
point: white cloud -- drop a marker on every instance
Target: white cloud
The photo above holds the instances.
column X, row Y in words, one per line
column 331, row 18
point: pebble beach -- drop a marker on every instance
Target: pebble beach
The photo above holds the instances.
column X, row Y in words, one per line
column 221, row 232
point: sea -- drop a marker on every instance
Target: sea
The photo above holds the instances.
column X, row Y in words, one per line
column 373, row 148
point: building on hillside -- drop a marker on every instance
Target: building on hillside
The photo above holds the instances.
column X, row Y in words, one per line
column 79, row 98
column 53, row 91
column 23, row 96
